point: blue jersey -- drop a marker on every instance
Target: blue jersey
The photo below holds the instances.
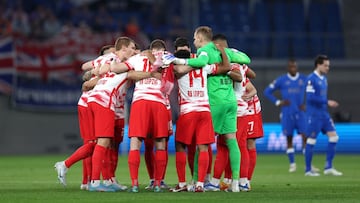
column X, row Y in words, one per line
column 291, row 89
column 317, row 116
column 316, row 95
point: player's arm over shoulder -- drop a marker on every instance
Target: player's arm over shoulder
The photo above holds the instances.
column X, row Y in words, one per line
column 235, row 75
column 180, row 70
column 238, row 56
column 90, row 84
column 199, row 62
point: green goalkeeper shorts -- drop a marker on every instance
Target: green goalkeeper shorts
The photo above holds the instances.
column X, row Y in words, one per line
column 224, row 118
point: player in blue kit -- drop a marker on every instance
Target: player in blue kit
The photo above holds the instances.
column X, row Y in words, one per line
column 318, row 118
column 292, row 89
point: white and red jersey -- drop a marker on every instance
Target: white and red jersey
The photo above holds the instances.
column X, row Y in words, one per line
column 110, row 87
column 254, row 106
column 84, row 99
column 104, row 59
column 240, row 89
column 193, row 95
column 85, row 95
column 120, row 104
column 149, row 88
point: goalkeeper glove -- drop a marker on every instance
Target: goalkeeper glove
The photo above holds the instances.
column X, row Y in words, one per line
column 170, row 58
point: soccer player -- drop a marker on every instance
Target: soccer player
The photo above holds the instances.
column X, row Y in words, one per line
column 148, row 117
column 221, row 96
column 222, row 100
column 102, row 101
column 254, row 131
column 182, row 47
column 86, row 130
column 292, row 87
column 194, row 123
column 318, row 118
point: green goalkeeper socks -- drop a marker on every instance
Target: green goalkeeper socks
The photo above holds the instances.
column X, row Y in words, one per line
column 234, row 154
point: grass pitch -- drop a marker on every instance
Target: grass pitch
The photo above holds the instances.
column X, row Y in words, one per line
column 33, row 179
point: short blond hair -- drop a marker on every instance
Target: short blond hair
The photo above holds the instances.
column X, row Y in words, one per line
column 205, row 32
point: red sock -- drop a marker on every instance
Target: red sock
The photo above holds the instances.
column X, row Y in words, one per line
column 88, row 163
column 149, row 157
column 245, row 157
column 228, row 172
column 84, row 172
column 82, row 152
column 252, row 162
column 221, row 160
column 160, row 165
column 181, row 166
column 97, row 161
column 210, row 159
column 167, row 158
column 191, row 156
column 107, row 169
column 114, row 156
column 203, row 163
column 134, row 163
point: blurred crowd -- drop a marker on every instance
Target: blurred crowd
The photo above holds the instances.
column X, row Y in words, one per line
column 41, row 19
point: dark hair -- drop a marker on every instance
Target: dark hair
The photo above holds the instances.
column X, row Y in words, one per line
column 104, row 48
column 185, row 54
column 157, row 44
column 180, row 42
column 219, row 37
column 320, row 59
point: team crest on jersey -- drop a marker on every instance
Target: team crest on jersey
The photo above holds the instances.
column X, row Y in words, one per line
column 310, row 87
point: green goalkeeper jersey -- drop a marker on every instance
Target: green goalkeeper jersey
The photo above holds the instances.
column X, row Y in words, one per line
column 220, row 87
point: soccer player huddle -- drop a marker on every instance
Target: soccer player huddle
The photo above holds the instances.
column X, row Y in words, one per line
column 217, row 102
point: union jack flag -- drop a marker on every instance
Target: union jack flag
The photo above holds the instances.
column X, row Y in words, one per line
column 6, row 65
column 41, row 62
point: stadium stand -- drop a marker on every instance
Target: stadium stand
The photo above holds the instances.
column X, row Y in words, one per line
column 274, row 29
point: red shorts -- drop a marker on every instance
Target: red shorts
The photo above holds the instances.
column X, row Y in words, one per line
column 196, row 125
column 255, row 127
column 119, row 130
column 104, row 120
column 86, row 125
column 148, row 118
column 242, row 131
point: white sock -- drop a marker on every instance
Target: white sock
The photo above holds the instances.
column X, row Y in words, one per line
column 243, row 181
column 215, row 181
column 182, row 184
column 201, row 184
column 95, row 183
column 107, row 182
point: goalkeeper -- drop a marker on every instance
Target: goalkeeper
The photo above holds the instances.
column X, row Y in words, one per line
column 223, row 104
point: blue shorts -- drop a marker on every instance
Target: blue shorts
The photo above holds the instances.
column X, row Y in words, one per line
column 292, row 122
column 315, row 124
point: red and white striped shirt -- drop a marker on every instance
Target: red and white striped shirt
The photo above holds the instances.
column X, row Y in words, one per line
column 240, row 89
column 149, row 88
column 254, row 106
column 110, row 87
column 193, row 94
